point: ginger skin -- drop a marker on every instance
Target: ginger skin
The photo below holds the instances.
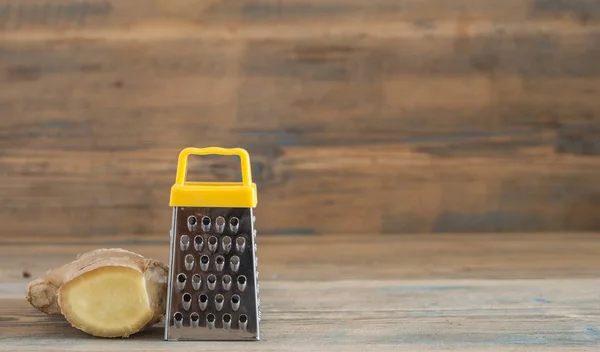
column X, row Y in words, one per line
column 106, row 292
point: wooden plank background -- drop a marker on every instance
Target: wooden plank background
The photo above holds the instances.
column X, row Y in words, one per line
column 382, row 116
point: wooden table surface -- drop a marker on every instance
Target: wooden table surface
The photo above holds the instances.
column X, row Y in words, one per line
column 495, row 292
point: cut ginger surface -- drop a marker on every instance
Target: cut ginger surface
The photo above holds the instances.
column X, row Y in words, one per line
column 106, row 293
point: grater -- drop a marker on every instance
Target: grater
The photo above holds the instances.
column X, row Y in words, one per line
column 212, row 288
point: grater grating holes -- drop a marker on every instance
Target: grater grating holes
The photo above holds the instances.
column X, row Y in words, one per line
column 243, row 320
column 184, row 242
column 186, row 301
column 234, row 224
column 203, row 301
column 181, row 280
column 212, row 243
column 241, row 282
column 226, row 244
column 219, row 263
column 226, row 321
column 195, row 319
column 226, row 282
column 219, row 224
column 192, row 223
column 204, row 261
column 210, row 320
column 206, row 224
column 219, row 299
column 211, row 282
column 189, row 262
column 198, row 243
column 196, row 282
column 234, row 263
column 240, row 244
column 235, row 302
column 178, row 317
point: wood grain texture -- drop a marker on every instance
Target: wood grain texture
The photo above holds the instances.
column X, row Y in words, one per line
column 403, row 116
column 357, row 315
column 466, row 292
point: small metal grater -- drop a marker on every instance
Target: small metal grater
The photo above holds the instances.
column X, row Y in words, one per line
column 213, row 289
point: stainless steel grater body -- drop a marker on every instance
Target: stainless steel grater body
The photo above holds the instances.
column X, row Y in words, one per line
column 213, row 289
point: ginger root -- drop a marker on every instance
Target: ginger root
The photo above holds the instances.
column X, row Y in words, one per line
column 106, row 292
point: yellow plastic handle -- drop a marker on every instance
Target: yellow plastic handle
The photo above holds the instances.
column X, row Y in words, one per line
column 242, row 153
